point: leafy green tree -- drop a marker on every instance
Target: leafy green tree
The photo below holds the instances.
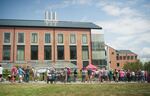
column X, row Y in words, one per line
column 147, row 66
column 134, row 66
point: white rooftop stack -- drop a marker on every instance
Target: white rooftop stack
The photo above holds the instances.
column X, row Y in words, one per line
column 50, row 16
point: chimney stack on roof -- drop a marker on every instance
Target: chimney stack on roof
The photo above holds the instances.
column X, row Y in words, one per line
column 50, row 16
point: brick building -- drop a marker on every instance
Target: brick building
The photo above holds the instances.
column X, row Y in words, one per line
column 37, row 41
column 117, row 58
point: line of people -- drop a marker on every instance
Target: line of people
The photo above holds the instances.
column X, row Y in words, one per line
column 67, row 75
column 116, row 75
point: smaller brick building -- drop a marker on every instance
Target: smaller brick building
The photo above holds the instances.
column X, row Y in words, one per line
column 117, row 58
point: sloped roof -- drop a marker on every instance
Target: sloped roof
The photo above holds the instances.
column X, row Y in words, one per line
column 43, row 23
column 124, row 52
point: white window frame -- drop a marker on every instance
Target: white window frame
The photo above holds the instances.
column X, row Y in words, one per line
column 50, row 38
column 24, row 39
column 4, row 38
column 31, row 38
column 86, row 38
column 70, row 39
column 57, row 39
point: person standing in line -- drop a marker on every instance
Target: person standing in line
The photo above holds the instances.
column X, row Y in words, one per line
column 65, row 75
column 116, row 75
column 27, row 74
column 75, row 75
column 89, row 71
column 110, row 75
column 33, row 74
column 84, row 74
column 1, row 73
column 100, row 75
column 20, row 74
column 14, row 72
column 68, row 75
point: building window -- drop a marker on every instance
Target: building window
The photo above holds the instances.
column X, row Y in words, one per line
column 34, row 52
column 131, row 57
column 47, row 38
column 47, row 53
column 128, row 57
column 7, row 37
column 117, row 57
column 85, row 53
column 20, row 37
column 85, row 63
column 84, row 38
column 124, row 57
column 6, row 52
column 34, row 38
column 73, row 52
column 60, row 52
column 120, row 57
column 97, row 46
column 135, row 57
column 60, row 38
column 112, row 53
column 72, row 39
column 20, row 52
column 118, row 64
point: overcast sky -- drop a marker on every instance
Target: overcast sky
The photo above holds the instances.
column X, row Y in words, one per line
column 126, row 23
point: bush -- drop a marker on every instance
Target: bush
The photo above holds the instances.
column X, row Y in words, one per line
column 134, row 66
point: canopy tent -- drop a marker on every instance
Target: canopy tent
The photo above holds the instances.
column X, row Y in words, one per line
column 91, row 66
column 57, row 65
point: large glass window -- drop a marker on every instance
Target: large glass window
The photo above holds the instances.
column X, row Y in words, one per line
column 97, row 46
column 73, row 52
column 34, row 52
column 47, row 52
column 20, row 52
column 20, row 37
column 60, row 38
column 34, row 38
column 47, row 38
column 72, row 39
column 60, row 52
column 7, row 37
column 85, row 53
column 84, row 38
column 6, row 52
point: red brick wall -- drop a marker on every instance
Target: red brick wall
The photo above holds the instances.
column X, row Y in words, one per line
column 113, row 61
column 41, row 32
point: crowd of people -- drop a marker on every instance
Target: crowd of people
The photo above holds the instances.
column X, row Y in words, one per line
column 72, row 75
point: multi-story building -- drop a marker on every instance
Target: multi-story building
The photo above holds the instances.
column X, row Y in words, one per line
column 117, row 58
column 40, row 41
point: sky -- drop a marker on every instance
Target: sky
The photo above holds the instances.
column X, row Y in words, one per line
column 125, row 23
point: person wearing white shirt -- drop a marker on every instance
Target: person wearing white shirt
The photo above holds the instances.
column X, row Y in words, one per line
column 1, row 72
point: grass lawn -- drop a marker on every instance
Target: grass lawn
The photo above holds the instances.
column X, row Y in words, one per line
column 75, row 89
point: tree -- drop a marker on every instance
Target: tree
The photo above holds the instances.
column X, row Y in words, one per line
column 134, row 66
column 147, row 66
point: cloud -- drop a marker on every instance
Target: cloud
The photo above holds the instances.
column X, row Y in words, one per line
column 130, row 26
column 67, row 3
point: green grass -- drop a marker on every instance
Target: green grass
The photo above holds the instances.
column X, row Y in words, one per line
column 75, row 89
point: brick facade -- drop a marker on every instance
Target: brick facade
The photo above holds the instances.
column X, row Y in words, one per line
column 41, row 32
column 123, row 58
